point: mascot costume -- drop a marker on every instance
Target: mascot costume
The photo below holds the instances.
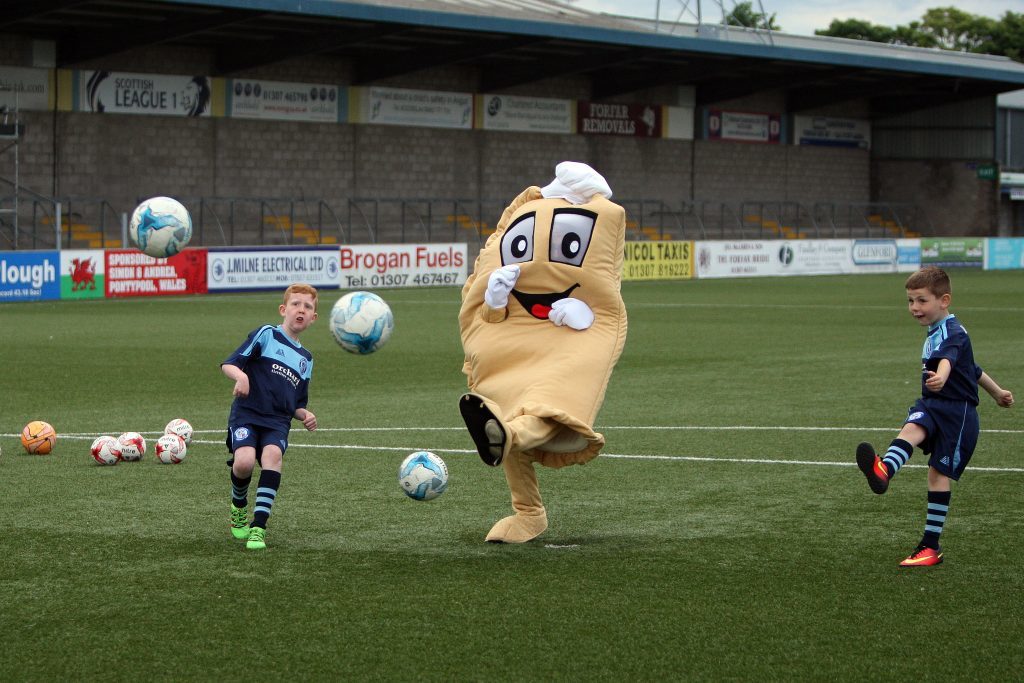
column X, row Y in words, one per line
column 542, row 324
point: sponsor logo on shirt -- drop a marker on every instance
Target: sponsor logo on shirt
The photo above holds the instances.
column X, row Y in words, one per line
column 286, row 373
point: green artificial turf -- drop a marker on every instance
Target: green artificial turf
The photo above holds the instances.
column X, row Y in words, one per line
column 725, row 534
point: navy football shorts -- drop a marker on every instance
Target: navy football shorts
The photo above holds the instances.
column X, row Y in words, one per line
column 256, row 436
column 952, row 428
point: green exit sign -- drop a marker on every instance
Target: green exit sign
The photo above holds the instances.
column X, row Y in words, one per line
column 987, row 171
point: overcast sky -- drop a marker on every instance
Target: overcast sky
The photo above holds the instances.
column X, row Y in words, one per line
column 802, row 17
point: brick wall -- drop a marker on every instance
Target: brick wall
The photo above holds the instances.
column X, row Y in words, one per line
column 956, row 201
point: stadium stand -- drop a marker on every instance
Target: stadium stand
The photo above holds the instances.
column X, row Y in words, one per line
column 703, row 131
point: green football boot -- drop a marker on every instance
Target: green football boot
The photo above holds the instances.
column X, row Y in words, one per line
column 257, row 538
column 240, row 522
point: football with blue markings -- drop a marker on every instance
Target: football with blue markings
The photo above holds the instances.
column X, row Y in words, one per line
column 423, row 475
column 361, row 322
column 161, row 227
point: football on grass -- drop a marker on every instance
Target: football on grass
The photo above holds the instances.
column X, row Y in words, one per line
column 160, row 227
column 180, row 427
column 423, row 475
column 105, row 450
column 38, row 437
column 132, row 446
column 361, row 322
column 170, row 449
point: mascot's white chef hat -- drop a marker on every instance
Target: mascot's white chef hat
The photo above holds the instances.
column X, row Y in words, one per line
column 577, row 183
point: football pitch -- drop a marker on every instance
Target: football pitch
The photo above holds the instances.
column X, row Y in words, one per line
column 724, row 534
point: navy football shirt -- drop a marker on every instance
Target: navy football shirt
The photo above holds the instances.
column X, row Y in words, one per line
column 279, row 370
column 948, row 339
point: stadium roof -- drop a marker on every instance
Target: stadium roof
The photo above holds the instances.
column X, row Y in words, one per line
column 517, row 42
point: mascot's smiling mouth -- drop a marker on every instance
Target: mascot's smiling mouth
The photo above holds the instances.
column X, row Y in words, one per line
column 539, row 305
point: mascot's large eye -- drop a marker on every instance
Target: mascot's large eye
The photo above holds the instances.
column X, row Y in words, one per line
column 571, row 230
column 517, row 242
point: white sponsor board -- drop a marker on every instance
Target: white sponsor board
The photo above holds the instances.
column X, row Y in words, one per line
column 678, row 123
column 25, row 89
column 527, row 114
column 744, row 126
column 375, row 266
column 434, row 109
column 252, row 99
column 831, row 131
column 237, row 269
column 118, row 92
column 758, row 258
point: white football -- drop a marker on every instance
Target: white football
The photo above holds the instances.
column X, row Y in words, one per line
column 105, row 450
column 132, row 446
column 180, row 427
column 161, row 227
column 361, row 322
column 423, row 475
column 170, row 449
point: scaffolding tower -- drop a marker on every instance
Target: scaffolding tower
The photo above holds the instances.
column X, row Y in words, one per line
column 11, row 130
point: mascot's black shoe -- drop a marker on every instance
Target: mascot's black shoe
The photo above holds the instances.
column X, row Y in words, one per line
column 484, row 428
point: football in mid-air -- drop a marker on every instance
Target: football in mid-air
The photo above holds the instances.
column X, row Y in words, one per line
column 38, row 437
column 160, row 226
column 105, row 450
column 361, row 322
column 180, row 427
column 132, row 445
column 423, row 475
column 170, row 449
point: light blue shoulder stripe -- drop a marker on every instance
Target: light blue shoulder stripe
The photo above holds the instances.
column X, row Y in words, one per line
column 259, row 340
column 288, row 354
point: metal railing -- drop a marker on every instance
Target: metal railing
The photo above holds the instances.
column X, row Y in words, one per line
column 89, row 222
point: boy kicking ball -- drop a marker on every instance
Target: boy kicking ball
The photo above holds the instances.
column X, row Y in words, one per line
column 271, row 370
column 944, row 421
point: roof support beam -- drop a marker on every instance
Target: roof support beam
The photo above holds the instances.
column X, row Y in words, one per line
column 16, row 10
column 369, row 71
column 804, row 99
column 755, row 80
column 84, row 47
column 282, row 50
column 687, row 73
column 509, row 78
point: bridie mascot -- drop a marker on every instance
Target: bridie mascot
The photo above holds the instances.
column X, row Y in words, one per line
column 542, row 325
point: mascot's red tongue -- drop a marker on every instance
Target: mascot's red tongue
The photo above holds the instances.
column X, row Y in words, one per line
column 540, row 310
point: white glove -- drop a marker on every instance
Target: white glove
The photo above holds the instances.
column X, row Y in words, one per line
column 500, row 284
column 572, row 312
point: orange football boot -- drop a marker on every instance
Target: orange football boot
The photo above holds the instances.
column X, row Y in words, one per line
column 923, row 556
column 873, row 468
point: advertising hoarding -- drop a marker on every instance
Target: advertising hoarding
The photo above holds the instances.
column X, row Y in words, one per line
column 29, row 275
column 526, row 114
column 953, row 252
column 119, row 92
column 657, row 261
column 374, row 266
column 82, row 274
column 130, row 272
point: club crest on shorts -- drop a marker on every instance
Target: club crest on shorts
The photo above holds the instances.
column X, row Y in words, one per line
column 241, row 433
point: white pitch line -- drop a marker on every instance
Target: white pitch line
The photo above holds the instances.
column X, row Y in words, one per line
column 855, row 307
column 768, row 461
column 647, row 428
column 617, row 456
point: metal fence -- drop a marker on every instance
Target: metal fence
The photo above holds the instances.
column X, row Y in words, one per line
column 92, row 222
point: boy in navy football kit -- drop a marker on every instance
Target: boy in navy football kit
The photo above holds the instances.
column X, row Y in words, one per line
column 944, row 421
column 271, row 370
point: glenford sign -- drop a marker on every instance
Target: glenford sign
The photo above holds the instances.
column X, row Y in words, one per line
column 874, row 252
